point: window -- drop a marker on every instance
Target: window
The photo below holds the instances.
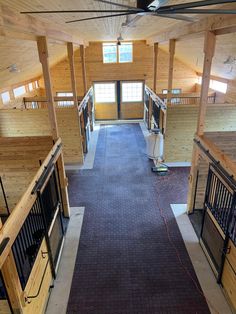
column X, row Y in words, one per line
column 173, row 91
column 125, row 52
column 105, row 92
column 31, row 87
column 65, row 103
column 5, row 97
column 19, row 91
column 132, row 92
column 216, row 85
column 36, row 84
column 109, row 53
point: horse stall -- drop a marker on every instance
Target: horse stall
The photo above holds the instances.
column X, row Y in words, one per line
column 213, row 211
column 32, row 210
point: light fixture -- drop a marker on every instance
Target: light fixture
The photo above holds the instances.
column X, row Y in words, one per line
column 13, row 68
column 119, row 39
column 230, row 60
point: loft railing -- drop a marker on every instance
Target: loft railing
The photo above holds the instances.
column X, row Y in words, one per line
column 36, row 218
column 41, row 102
column 86, row 116
column 154, row 110
column 186, row 100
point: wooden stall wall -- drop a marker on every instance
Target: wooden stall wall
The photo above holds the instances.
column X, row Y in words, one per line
column 181, row 127
column 140, row 69
column 35, row 122
column 19, row 162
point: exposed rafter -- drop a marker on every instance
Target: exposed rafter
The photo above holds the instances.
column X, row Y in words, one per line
column 26, row 27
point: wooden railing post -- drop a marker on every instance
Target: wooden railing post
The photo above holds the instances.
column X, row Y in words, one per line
column 192, row 180
column 155, row 67
column 12, row 282
column 13, row 285
column 43, row 57
column 172, row 43
column 82, row 55
column 209, row 50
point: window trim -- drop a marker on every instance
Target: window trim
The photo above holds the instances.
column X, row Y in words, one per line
column 105, row 82
column 118, row 52
column 132, row 54
column 8, row 101
column 132, row 101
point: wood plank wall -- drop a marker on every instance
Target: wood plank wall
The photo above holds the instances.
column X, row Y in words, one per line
column 140, row 69
column 181, row 126
column 36, row 123
column 19, row 161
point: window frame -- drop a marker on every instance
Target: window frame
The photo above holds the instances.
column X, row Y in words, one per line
column 132, row 101
column 115, row 92
column 18, row 88
column 65, row 103
column 9, row 98
column 103, row 54
column 119, row 54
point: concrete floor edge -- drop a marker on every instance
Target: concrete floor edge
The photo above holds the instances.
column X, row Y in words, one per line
column 212, row 291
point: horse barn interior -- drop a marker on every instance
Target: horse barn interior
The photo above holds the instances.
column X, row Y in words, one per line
column 118, row 156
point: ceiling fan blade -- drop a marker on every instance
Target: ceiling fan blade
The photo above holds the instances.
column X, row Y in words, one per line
column 100, row 17
column 202, row 11
column 195, row 4
column 79, row 11
column 119, row 5
column 178, row 17
column 129, row 23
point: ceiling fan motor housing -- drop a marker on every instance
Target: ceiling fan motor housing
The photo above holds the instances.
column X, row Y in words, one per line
column 143, row 4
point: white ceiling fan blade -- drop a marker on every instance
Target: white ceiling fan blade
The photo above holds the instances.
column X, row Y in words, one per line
column 170, row 16
column 156, row 4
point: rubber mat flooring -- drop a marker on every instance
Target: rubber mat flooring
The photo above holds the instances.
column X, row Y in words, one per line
column 125, row 262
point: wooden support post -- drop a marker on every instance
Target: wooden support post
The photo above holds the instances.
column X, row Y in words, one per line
column 82, row 55
column 209, row 50
column 155, row 67
column 71, row 56
column 192, row 180
column 43, row 58
column 172, row 43
column 13, row 285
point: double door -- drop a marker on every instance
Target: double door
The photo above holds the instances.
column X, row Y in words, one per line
column 116, row 100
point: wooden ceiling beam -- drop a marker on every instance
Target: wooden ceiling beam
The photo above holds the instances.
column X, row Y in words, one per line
column 220, row 24
column 26, row 27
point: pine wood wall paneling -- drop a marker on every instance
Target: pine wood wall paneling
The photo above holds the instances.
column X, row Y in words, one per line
column 140, row 69
column 19, row 162
column 181, row 127
column 36, row 123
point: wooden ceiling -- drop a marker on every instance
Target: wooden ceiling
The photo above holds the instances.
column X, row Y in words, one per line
column 191, row 52
column 24, row 53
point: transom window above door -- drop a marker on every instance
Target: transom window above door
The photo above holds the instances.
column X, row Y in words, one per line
column 113, row 53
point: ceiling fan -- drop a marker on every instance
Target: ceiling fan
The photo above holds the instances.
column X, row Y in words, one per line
column 159, row 8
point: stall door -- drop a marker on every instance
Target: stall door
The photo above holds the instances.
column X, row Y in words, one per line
column 131, row 100
column 105, row 98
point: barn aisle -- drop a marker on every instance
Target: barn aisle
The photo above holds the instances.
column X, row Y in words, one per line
column 125, row 263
